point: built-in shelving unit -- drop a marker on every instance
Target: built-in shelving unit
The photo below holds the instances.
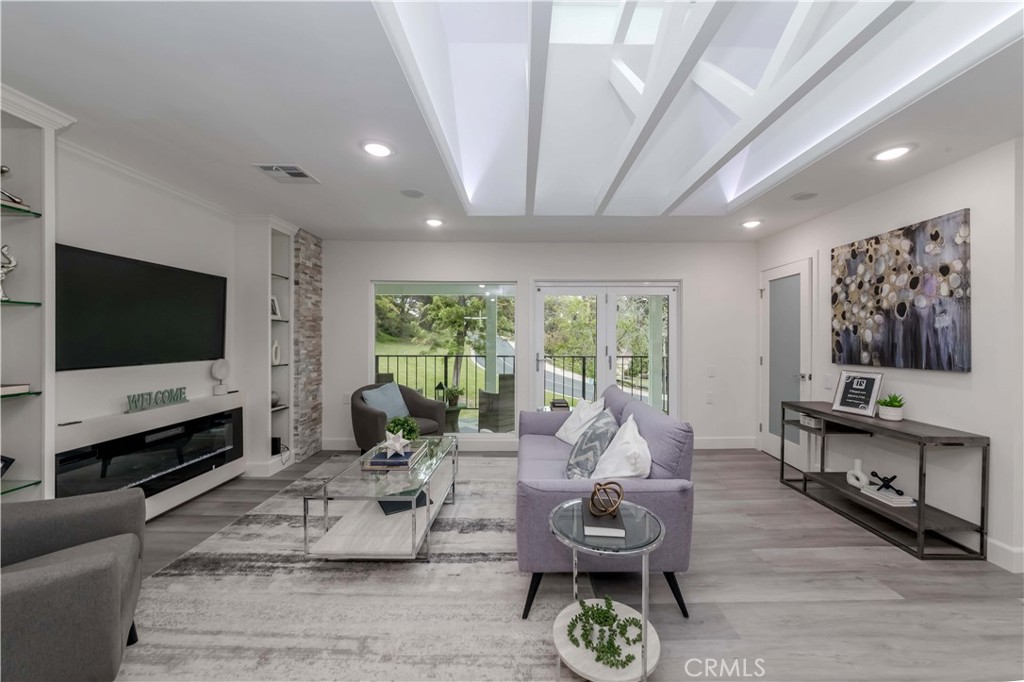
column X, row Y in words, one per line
column 281, row 257
column 28, row 130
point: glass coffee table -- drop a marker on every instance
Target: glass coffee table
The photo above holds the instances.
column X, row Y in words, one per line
column 644, row 534
column 355, row 525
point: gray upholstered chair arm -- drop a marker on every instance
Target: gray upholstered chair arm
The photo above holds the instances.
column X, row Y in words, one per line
column 541, row 423
column 82, row 596
column 423, row 407
column 368, row 423
column 31, row 529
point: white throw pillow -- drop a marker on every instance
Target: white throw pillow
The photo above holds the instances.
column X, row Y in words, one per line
column 579, row 419
column 627, row 456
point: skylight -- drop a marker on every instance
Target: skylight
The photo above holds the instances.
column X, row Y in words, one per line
column 643, row 29
column 585, row 23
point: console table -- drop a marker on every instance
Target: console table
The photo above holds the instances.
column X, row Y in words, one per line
column 927, row 525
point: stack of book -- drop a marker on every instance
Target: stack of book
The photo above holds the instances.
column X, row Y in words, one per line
column 14, row 389
column 601, row 526
column 889, row 497
column 385, row 461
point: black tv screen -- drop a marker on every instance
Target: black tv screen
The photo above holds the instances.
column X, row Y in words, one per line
column 115, row 312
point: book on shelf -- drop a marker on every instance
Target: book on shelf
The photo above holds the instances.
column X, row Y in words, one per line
column 385, row 461
column 601, row 526
column 13, row 204
column 14, row 389
column 390, row 507
column 889, row 497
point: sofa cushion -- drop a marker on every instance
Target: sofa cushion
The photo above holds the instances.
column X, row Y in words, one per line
column 592, row 443
column 615, row 401
column 579, row 419
column 427, row 426
column 533, row 446
column 670, row 440
column 541, row 470
column 627, row 456
column 388, row 399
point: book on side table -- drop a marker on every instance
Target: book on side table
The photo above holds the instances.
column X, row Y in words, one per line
column 384, row 461
column 601, row 526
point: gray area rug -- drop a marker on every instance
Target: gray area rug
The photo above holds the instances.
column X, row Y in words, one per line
column 246, row 604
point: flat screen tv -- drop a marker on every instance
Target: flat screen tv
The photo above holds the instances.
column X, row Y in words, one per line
column 114, row 312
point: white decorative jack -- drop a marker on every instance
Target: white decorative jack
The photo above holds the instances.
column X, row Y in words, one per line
column 856, row 477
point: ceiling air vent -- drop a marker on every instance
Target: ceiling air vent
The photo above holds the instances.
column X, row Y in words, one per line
column 286, row 172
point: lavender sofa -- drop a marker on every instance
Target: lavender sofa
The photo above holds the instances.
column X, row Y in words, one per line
column 542, row 485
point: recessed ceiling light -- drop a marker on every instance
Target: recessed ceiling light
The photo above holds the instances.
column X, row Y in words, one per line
column 892, row 152
column 378, row 149
column 434, row 222
column 412, row 193
column 803, row 196
column 751, row 224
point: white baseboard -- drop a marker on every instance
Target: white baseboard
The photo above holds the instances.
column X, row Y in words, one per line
column 724, row 443
column 1006, row 556
column 264, row 468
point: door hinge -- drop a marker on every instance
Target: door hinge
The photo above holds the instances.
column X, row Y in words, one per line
column 760, row 428
column 760, row 293
column 760, row 360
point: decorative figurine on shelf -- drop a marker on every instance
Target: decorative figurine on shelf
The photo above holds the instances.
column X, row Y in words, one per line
column 886, row 483
column 7, row 263
column 856, row 476
column 4, row 172
column 606, row 498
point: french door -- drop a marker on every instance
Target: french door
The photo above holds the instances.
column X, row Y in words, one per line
column 785, row 352
column 591, row 336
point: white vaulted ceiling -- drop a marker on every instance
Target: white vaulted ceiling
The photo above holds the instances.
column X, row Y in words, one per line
column 600, row 121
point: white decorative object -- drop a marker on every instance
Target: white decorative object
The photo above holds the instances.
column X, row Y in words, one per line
column 856, row 476
column 890, row 414
column 275, row 309
column 579, row 419
column 275, row 353
column 275, row 398
column 394, row 443
column 7, row 264
column 220, row 371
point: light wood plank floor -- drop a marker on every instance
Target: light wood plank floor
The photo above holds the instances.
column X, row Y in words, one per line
column 773, row 575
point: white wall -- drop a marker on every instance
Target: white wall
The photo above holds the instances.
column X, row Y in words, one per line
column 104, row 206
column 719, row 287
column 989, row 399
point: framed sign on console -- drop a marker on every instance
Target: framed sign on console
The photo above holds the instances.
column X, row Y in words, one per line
column 857, row 392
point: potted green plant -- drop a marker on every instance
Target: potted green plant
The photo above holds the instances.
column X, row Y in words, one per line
column 890, row 408
column 407, row 426
column 452, row 394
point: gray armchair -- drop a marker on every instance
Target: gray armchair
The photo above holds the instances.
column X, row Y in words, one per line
column 368, row 423
column 72, row 570
column 498, row 410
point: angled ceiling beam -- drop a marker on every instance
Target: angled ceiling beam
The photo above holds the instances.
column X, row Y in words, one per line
column 733, row 93
column 863, row 22
column 627, row 84
column 540, row 40
column 794, row 42
column 625, row 19
column 676, row 53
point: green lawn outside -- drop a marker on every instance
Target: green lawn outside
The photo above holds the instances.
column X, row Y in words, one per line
column 423, row 374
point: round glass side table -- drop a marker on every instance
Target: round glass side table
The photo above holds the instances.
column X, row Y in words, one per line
column 644, row 534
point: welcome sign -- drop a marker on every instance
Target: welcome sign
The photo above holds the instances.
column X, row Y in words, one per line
column 137, row 402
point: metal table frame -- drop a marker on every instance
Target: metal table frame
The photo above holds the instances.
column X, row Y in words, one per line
column 644, row 553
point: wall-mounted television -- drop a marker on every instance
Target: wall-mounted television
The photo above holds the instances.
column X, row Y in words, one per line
column 115, row 312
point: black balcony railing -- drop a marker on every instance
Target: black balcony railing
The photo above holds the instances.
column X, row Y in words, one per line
column 424, row 372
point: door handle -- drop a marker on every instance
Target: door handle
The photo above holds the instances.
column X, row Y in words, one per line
column 538, row 362
column 803, row 376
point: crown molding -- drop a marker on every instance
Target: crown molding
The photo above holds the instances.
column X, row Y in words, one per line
column 32, row 110
column 264, row 220
column 108, row 164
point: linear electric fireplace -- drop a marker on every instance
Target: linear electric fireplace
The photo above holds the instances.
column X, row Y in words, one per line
column 153, row 460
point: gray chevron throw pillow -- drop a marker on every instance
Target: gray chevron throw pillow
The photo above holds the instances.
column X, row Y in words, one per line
column 588, row 449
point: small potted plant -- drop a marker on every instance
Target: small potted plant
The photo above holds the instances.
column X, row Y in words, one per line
column 407, row 426
column 890, row 408
column 452, row 394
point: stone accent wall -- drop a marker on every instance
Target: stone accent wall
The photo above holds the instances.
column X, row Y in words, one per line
column 308, row 330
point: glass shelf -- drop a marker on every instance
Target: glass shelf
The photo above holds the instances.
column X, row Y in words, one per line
column 10, row 485
column 274, row 275
column 282, row 364
column 20, row 395
column 15, row 211
column 28, row 303
column 281, row 321
column 279, row 408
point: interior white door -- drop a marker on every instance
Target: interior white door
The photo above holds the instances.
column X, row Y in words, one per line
column 785, row 350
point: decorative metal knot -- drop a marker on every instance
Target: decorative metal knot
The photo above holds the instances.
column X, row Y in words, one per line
column 885, row 483
column 605, row 499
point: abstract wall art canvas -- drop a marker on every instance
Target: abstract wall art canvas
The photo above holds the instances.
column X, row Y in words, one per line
column 903, row 298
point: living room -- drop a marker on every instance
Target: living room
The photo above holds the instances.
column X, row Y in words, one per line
column 135, row 133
